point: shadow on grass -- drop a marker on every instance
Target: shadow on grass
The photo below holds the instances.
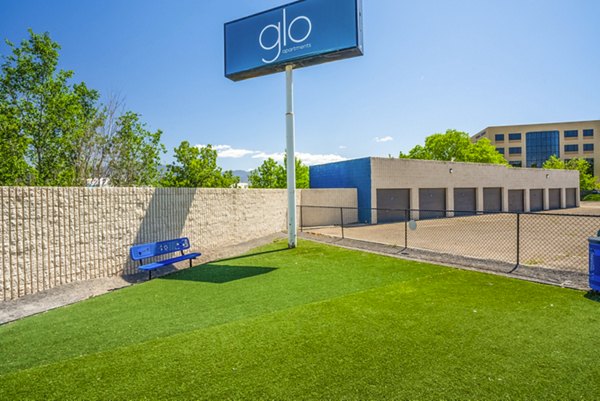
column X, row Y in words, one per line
column 218, row 274
column 593, row 296
column 249, row 255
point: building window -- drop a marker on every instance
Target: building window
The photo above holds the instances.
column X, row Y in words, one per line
column 571, row 133
column 540, row 145
column 571, row 148
column 514, row 151
column 499, row 137
column 516, row 163
column 588, row 147
column 588, row 133
column 514, row 137
column 500, row 150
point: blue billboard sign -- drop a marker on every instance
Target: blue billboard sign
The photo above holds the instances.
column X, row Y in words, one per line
column 303, row 33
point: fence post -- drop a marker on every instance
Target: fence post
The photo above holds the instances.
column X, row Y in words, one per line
column 518, row 239
column 342, row 220
column 301, row 218
column 405, row 228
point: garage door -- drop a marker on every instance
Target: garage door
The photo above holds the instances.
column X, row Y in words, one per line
column 515, row 200
column 536, row 200
column 396, row 199
column 432, row 203
column 571, row 197
column 465, row 201
column 554, row 198
column 492, row 199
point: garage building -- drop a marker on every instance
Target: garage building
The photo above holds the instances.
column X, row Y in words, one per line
column 386, row 187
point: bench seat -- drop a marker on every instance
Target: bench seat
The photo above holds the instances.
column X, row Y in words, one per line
column 167, row 262
column 152, row 249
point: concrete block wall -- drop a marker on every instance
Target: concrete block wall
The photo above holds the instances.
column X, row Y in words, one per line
column 55, row 236
column 333, row 204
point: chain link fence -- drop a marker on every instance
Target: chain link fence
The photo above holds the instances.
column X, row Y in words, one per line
column 547, row 240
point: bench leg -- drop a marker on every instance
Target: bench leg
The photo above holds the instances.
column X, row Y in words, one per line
column 190, row 262
column 149, row 275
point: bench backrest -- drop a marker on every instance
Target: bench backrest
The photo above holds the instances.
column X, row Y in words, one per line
column 144, row 251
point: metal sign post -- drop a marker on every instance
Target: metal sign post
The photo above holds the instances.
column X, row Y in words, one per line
column 295, row 35
column 291, row 158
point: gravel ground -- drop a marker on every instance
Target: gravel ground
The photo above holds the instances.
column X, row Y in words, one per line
column 562, row 278
column 75, row 292
column 556, row 241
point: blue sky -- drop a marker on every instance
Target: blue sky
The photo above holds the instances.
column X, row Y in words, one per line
column 428, row 66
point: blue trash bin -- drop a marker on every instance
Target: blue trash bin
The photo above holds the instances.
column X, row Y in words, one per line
column 594, row 263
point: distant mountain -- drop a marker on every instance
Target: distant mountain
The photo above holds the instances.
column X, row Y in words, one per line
column 242, row 174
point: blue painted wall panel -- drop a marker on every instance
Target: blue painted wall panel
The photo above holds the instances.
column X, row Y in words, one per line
column 347, row 174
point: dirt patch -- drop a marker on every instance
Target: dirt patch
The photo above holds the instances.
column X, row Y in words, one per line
column 74, row 292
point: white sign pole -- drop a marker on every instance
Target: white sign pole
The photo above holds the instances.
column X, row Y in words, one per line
column 291, row 157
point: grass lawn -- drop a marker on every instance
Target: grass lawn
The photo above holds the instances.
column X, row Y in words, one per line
column 317, row 322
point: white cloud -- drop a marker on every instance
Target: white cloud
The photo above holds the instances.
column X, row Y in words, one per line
column 310, row 159
column 343, row 147
column 383, row 139
column 226, row 151
column 264, row 156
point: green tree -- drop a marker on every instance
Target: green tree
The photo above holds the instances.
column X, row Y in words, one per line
column 95, row 148
column 587, row 181
column 14, row 169
column 56, row 133
column 197, row 167
column 455, row 146
column 135, row 153
column 43, row 117
column 85, row 134
column 302, row 174
column 554, row 163
column 271, row 174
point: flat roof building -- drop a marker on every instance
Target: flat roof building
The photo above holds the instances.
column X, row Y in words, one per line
column 530, row 145
column 387, row 187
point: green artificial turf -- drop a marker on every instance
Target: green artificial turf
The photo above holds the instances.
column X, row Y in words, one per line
column 316, row 322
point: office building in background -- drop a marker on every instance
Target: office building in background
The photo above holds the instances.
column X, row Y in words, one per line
column 530, row 145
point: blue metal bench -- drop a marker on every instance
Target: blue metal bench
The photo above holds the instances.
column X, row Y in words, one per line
column 152, row 249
